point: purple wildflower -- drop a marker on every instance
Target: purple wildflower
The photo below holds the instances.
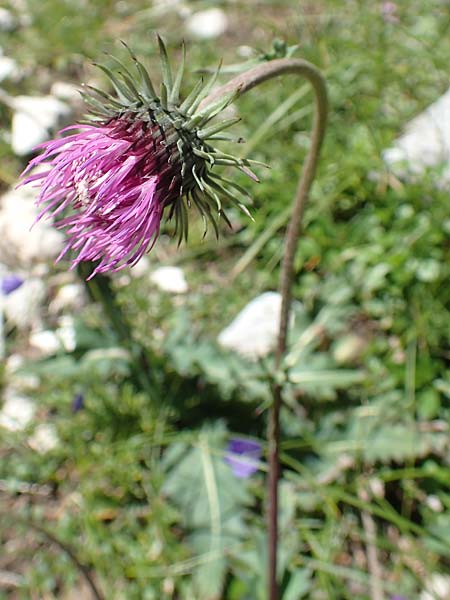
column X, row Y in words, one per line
column 243, row 457
column 112, row 179
column 107, row 183
column 389, row 12
column 10, row 283
column 77, row 403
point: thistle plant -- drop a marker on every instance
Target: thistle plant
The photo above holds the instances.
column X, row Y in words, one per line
column 141, row 155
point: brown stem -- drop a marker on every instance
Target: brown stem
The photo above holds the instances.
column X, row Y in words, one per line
column 243, row 83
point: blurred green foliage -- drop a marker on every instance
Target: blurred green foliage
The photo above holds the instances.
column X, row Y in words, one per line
column 137, row 485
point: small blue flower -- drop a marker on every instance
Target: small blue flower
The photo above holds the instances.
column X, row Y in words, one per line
column 77, row 403
column 243, row 457
column 9, row 283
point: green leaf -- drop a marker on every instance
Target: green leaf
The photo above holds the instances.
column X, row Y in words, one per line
column 175, row 92
column 211, row 501
column 299, row 585
column 165, row 65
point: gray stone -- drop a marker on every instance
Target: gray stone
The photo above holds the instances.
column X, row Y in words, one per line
column 7, row 20
column 425, row 142
column 23, row 306
column 22, row 243
column 8, row 69
column 44, row 438
column 207, row 24
column 34, row 120
column 254, row 331
column 17, row 411
column 170, row 279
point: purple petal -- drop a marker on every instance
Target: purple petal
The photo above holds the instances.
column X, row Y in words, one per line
column 243, row 457
column 9, row 283
column 77, row 403
column 110, row 183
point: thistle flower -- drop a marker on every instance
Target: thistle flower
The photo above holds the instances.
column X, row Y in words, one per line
column 109, row 181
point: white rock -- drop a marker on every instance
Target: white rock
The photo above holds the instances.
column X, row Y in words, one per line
column 17, row 377
column 207, row 24
column 34, row 120
column 66, row 333
column 23, row 306
column 71, row 296
column 16, row 412
column 8, row 69
column 436, row 588
column 349, row 348
column 425, row 143
column 21, row 241
column 434, row 503
column 44, row 438
column 254, row 331
column 141, row 268
column 170, row 279
column 65, row 91
column 46, row 341
column 7, row 20
column 13, row 363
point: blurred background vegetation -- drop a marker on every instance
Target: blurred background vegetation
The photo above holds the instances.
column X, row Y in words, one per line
column 143, row 402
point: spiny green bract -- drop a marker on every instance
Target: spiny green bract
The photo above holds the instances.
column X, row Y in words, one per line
column 186, row 131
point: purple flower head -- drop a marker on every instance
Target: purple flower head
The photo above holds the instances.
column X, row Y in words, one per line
column 77, row 403
column 108, row 179
column 389, row 12
column 107, row 183
column 10, row 283
column 243, row 457
column 398, row 597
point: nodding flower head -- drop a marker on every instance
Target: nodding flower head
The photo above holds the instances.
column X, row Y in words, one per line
column 140, row 155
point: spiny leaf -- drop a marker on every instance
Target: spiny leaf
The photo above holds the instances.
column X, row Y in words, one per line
column 204, row 208
column 164, row 96
column 132, row 87
column 185, row 221
column 239, row 161
column 207, row 132
column 212, row 194
column 227, row 138
column 175, row 92
column 197, row 179
column 104, row 95
column 98, row 106
column 148, row 88
column 213, row 109
column 205, row 90
column 121, row 89
column 146, row 81
column 165, row 65
column 206, row 155
column 230, row 182
column 120, row 63
column 187, row 103
column 249, row 173
column 230, row 196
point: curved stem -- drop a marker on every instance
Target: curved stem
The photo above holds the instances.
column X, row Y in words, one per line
column 243, row 83
column 84, row 570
